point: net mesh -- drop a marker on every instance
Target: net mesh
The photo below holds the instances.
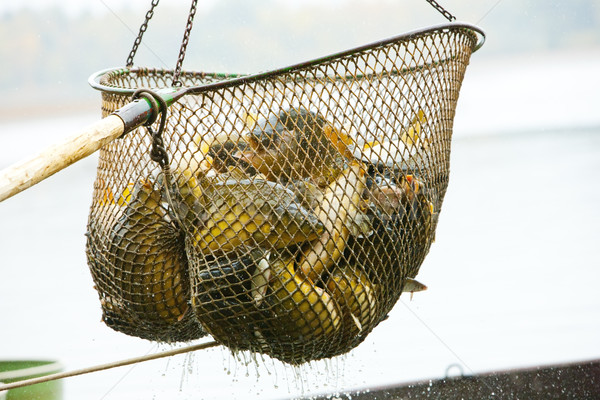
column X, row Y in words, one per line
column 295, row 208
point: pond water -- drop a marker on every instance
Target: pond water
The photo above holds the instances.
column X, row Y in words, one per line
column 512, row 277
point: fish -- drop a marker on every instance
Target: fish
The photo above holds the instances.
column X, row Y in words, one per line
column 224, row 297
column 338, row 211
column 252, row 213
column 256, row 301
column 311, row 196
column 225, row 156
column 296, row 144
column 141, row 272
column 307, row 193
column 304, row 310
column 411, row 286
column 414, row 135
column 197, row 158
column 356, row 294
column 403, row 218
column 186, row 190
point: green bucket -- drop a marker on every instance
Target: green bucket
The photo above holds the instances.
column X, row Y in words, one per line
column 13, row 371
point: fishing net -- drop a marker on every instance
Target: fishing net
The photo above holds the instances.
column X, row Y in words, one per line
column 292, row 208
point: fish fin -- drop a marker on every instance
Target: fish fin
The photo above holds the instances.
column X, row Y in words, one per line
column 371, row 143
column 412, row 133
column 360, row 225
column 127, row 195
column 260, row 280
column 250, row 120
column 182, row 316
column 106, row 197
column 356, row 322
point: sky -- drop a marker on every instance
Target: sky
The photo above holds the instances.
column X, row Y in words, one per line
column 102, row 6
column 96, row 6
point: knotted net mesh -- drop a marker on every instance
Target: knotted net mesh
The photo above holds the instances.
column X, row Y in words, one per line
column 294, row 209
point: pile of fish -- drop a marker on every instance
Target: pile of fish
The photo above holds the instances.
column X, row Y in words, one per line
column 293, row 240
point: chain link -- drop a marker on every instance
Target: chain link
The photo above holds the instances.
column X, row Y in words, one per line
column 442, row 10
column 184, row 43
column 143, row 29
column 188, row 29
column 158, row 153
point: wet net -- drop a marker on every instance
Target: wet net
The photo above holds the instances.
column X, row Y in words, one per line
column 294, row 207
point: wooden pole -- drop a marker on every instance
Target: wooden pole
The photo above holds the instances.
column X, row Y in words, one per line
column 27, row 173
column 102, row 367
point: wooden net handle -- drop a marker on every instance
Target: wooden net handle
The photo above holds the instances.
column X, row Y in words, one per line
column 27, row 173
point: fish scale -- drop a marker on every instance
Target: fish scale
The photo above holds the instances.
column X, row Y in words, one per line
column 147, row 292
column 252, row 213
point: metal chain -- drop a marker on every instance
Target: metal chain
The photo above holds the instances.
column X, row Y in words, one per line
column 184, row 43
column 143, row 28
column 442, row 10
column 158, row 153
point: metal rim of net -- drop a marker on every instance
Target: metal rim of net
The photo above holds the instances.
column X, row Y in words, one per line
column 229, row 79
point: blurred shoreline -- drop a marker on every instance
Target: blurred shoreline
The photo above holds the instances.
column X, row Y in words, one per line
column 40, row 109
column 539, row 91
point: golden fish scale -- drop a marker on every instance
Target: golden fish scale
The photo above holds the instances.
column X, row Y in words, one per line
column 307, row 310
column 148, row 273
column 147, row 259
column 356, row 294
column 253, row 213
